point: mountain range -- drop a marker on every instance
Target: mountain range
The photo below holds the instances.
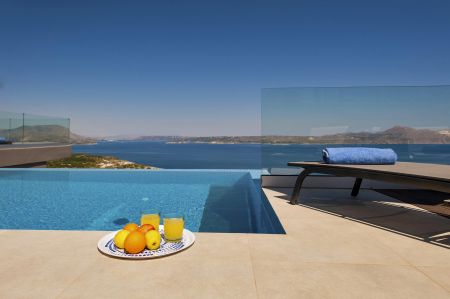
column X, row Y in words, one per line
column 394, row 135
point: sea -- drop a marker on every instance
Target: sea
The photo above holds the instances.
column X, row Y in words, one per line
column 243, row 156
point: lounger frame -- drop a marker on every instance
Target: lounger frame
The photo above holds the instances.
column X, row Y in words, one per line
column 419, row 181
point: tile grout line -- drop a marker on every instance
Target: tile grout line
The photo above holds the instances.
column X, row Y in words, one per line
column 253, row 270
column 431, row 278
column 357, row 264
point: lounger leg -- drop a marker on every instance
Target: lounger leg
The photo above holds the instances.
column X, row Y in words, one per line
column 298, row 185
column 356, row 186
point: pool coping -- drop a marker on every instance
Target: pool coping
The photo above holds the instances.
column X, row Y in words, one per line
column 255, row 173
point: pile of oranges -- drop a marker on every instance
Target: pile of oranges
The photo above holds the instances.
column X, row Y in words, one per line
column 134, row 239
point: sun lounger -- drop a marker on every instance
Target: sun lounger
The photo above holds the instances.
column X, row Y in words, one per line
column 424, row 176
column 3, row 140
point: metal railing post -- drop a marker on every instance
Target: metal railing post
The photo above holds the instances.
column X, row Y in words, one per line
column 23, row 127
column 68, row 131
column 9, row 130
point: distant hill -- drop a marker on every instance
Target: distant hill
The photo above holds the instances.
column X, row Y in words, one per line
column 79, row 139
column 43, row 133
column 395, row 135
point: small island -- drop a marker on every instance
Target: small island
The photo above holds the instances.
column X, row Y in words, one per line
column 91, row 161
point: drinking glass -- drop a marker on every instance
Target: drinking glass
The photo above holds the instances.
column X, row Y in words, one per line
column 173, row 227
column 152, row 217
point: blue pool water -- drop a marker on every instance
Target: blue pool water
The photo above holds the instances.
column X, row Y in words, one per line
column 212, row 201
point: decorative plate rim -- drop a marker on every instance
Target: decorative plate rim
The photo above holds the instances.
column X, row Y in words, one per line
column 107, row 241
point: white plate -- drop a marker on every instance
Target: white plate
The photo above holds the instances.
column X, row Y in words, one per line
column 106, row 246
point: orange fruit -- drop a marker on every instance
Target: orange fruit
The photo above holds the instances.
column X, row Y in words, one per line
column 135, row 242
column 144, row 228
column 131, row 227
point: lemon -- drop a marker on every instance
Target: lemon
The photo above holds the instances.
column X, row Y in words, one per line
column 119, row 238
column 153, row 239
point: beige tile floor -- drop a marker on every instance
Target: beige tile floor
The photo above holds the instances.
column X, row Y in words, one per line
column 323, row 255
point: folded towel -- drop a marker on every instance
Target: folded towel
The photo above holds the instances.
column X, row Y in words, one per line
column 359, row 155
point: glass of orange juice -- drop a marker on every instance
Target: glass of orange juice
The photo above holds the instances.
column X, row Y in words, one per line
column 151, row 217
column 173, row 227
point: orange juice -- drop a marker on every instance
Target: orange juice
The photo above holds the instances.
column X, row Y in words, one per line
column 173, row 228
column 152, row 219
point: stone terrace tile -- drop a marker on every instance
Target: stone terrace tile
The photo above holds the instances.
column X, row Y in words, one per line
column 215, row 267
column 323, row 280
column 324, row 243
column 303, row 222
column 41, row 264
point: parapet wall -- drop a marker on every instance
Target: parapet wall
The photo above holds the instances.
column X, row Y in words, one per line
column 29, row 154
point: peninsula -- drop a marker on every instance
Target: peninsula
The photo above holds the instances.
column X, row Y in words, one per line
column 91, row 161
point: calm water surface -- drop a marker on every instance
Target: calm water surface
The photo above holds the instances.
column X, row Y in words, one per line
column 71, row 199
column 242, row 156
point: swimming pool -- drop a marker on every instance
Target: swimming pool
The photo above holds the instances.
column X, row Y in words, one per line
column 76, row 199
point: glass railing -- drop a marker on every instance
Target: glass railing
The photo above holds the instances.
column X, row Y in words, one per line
column 297, row 123
column 29, row 128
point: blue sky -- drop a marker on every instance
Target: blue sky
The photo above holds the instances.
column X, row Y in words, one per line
column 197, row 67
